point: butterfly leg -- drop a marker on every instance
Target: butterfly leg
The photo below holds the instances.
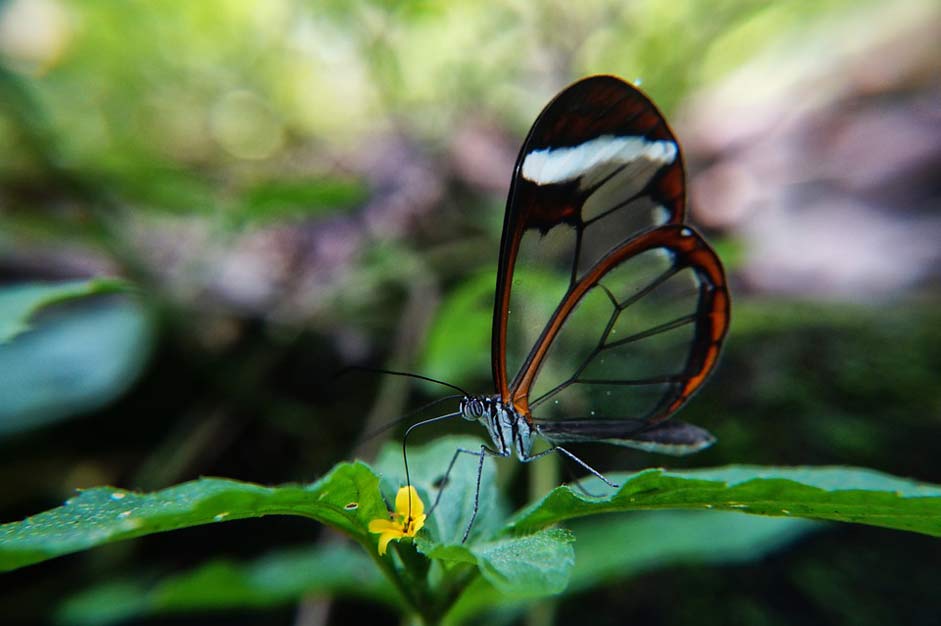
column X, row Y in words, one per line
column 561, row 450
column 482, row 453
column 574, row 480
column 443, row 481
column 480, row 471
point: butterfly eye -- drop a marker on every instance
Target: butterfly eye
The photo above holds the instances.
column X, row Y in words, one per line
column 472, row 409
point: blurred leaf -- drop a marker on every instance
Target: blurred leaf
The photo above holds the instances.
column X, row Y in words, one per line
column 284, row 199
column 463, row 323
column 105, row 604
column 616, row 548
column 77, row 358
column 517, row 567
column 162, row 186
column 462, row 327
column 18, row 303
column 18, row 101
column 653, row 540
column 644, row 542
column 346, row 499
column 843, row 494
column 279, row 578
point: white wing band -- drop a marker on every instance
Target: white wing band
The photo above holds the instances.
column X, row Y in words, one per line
column 560, row 165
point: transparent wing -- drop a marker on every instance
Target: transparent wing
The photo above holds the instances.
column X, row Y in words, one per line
column 634, row 337
column 599, row 167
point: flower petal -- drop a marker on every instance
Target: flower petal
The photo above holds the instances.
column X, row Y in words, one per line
column 383, row 526
column 402, row 502
column 417, row 525
column 384, row 540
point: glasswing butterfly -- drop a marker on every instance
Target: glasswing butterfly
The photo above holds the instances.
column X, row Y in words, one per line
column 641, row 305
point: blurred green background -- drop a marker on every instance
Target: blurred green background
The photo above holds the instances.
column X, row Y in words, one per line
column 296, row 187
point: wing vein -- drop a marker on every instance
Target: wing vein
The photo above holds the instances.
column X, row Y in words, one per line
column 656, row 330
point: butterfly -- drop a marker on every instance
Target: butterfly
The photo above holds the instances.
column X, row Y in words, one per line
column 641, row 304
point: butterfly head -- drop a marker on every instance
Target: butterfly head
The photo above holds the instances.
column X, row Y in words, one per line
column 473, row 408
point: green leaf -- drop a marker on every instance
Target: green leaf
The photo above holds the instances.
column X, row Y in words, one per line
column 517, row 567
column 840, row 494
column 346, row 498
column 461, row 326
column 109, row 603
column 75, row 360
column 280, row 199
column 463, row 322
column 18, row 303
column 534, row 565
column 151, row 182
column 520, row 567
column 530, row 563
column 279, row 578
column 615, row 548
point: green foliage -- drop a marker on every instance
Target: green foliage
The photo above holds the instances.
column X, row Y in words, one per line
column 520, row 557
column 826, row 493
column 646, row 542
column 285, row 199
column 613, row 549
column 19, row 303
column 67, row 348
column 346, row 498
column 462, row 326
column 530, row 566
column 280, row 577
column 427, row 465
column 164, row 159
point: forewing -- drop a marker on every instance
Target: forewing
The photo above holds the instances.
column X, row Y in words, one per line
column 599, row 167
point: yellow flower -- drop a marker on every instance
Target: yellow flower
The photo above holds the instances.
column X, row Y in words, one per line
column 401, row 524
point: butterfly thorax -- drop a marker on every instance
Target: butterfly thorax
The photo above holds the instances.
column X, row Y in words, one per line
column 508, row 429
